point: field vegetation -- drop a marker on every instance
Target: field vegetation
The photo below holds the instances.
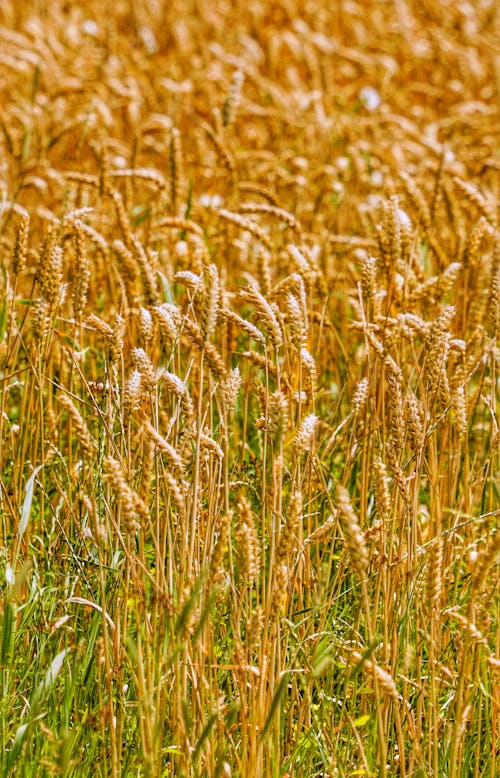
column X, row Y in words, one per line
column 249, row 388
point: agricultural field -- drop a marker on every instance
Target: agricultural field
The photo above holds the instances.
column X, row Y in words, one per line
column 249, row 388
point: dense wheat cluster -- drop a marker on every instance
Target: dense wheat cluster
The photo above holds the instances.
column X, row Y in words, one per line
column 249, row 388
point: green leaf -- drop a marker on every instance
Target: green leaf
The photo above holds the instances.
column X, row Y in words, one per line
column 7, row 628
column 140, row 215
column 205, row 733
column 28, row 499
column 20, row 738
column 189, row 205
column 366, row 655
column 362, row 720
column 54, row 669
column 3, row 317
column 276, row 701
column 50, row 676
column 167, row 289
column 21, row 734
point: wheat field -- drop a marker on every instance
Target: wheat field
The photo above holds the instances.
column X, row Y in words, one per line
column 249, row 388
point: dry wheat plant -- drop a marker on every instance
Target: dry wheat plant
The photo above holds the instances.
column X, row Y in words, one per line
column 249, row 388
